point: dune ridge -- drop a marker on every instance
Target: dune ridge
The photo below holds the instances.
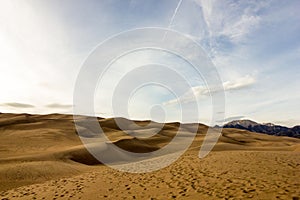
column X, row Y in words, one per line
column 40, row 149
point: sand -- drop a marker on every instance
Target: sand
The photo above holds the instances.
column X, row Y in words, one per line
column 42, row 157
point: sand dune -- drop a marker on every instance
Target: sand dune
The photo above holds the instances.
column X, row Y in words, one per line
column 41, row 156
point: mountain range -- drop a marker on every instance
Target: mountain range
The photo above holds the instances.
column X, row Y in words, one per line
column 266, row 128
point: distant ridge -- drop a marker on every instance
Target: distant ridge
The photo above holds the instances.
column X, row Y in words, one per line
column 266, row 128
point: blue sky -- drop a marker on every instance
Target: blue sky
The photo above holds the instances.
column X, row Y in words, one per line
column 254, row 45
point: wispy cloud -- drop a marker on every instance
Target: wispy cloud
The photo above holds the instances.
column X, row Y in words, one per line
column 220, row 25
column 231, row 19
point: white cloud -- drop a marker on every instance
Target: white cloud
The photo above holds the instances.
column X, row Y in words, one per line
column 239, row 83
column 201, row 91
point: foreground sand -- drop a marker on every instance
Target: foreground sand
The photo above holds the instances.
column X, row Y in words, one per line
column 42, row 158
column 221, row 175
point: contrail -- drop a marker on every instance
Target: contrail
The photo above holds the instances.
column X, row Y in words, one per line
column 173, row 17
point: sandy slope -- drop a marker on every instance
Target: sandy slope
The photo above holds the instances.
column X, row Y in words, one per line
column 41, row 156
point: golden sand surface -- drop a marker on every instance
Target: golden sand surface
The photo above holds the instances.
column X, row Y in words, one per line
column 42, row 157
